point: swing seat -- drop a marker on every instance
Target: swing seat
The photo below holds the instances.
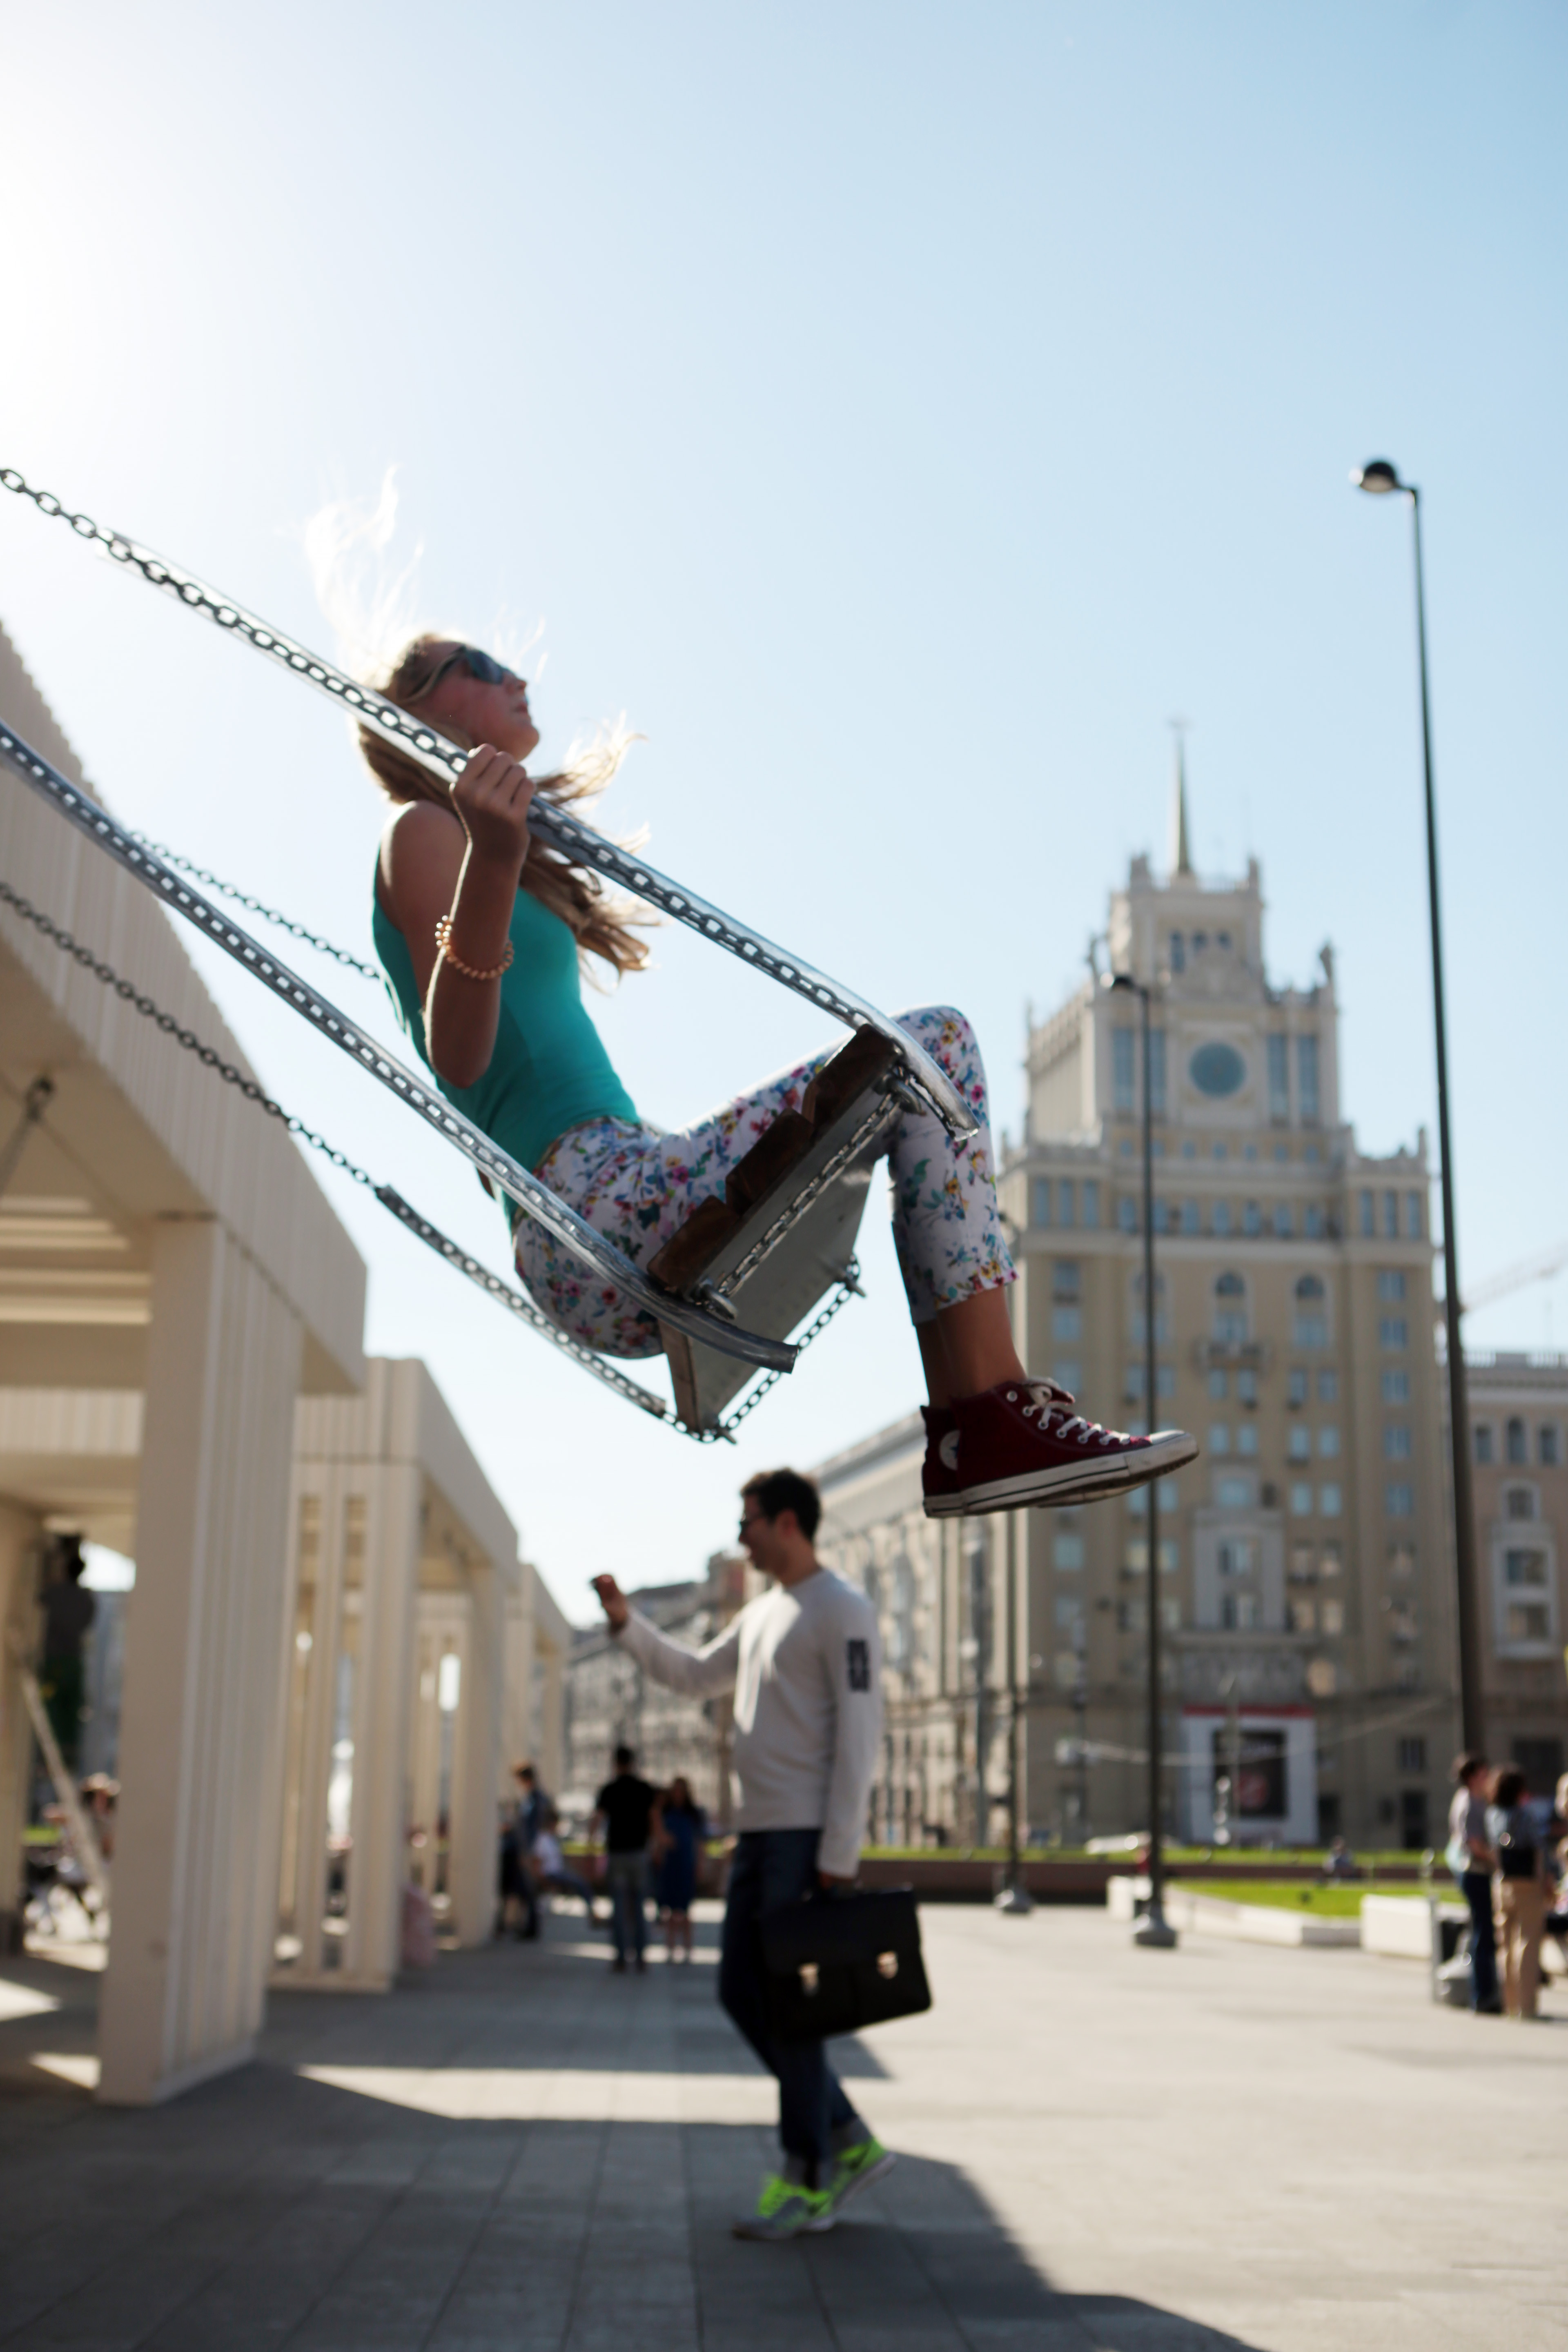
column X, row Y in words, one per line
column 853, row 1100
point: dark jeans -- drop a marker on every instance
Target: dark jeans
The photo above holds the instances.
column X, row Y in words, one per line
column 1475, row 1887
column 773, row 1867
column 625, row 1876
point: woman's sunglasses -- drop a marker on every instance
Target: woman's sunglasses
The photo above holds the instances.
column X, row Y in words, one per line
column 483, row 666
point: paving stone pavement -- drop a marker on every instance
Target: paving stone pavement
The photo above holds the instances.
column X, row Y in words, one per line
column 1102, row 2150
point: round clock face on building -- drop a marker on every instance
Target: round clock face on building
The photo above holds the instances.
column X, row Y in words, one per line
column 1217, row 1069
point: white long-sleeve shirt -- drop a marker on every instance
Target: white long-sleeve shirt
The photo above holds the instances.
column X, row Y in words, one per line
column 807, row 1670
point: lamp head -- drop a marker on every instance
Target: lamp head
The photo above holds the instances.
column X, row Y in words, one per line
column 1124, row 979
column 1377, row 477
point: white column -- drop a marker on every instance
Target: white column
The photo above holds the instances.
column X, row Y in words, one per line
column 381, row 1771
column 200, row 1769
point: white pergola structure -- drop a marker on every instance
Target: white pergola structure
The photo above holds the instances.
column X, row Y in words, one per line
column 172, row 1280
column 410, row 1615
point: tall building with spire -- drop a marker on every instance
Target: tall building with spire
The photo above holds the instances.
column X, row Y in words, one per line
column 1304, row 1578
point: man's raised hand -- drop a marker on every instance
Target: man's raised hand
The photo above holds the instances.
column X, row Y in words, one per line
column 612, row 1600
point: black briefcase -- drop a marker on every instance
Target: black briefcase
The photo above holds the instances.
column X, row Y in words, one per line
column 836, row 1962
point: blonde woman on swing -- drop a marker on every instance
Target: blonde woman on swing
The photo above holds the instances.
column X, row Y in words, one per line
column 483, row 933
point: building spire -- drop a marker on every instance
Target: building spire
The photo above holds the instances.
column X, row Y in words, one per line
column 1181, row 847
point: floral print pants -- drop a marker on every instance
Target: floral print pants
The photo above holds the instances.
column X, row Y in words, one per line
column 637, row 1186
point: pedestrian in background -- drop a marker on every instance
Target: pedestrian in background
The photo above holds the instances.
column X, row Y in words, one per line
column 1470, row 1858
column 680, row 1827
column 551, row 1874
column 623, row 1812
column 1523, row 1886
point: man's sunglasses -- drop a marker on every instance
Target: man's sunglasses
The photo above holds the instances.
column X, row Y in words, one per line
column 483, row 666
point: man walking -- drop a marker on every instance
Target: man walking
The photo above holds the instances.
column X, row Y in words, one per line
column 803, row 1663
column 1470, row 1858
column 624, row 1807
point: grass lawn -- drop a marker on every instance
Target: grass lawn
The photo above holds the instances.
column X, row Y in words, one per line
column 1323, row 1901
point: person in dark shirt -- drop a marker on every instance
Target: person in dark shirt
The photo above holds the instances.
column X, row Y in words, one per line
column 624, row 1811
column 69, row 1612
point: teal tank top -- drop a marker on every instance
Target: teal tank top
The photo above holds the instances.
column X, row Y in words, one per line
column 548, row 1070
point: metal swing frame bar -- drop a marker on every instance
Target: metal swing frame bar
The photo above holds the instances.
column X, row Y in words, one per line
column 563, row 1223
column 443, row 759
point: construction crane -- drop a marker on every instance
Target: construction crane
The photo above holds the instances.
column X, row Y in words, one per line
column 1539, row 1268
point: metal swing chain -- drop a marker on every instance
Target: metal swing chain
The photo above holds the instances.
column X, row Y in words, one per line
column 563, row 832
column 492, row 1285
column 256, row 907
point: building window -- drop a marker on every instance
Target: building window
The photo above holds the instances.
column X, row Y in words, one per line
column 1178, row 952
column 1247, row 1385
column 1127, row 1214
column 1396, row 1442
column 1189, row 1224
column 1068, row 1375
column 1252, row 1219
column 1546, row 1444
column 1247, row 1438
column 1526, row 1600
column 1284, row 1223
column 1295, row 1386
column 1170, row 1614
column 1220, row 1222
column 1042, row 1200
column 1300, row 1448
column 1328, row 1386
column 1234, row 1494
column 1138, row 1500
column 1515, row 1443
column 1412, row 1754
column 1310, row 1328
column 1219, row 1437
column 1314, row 1225
column 1393, row 1331
column 1237, row 1555
column 1303, row 1616
column 1333, row 1616
column 1067, row 1203
column 1301, row 1500
column 1067, row 1553
column 1230, row 1311
column 1402, row 1561
column 1238, row 1611
column 1219, row 1383
column 1414, row 1217
column 1067, row 1322
column 1364, row 1216
column 1067, row 1278
column 1398, row 1499
column 1390, row 1217
column 1307, row 1079
column 1122, row 1067
column 1329, row 1442
column 1091, row 1205
column 1483, row 1436
column 1391, row 1287
column 1329, row 1502
column 1157, row 1072
column 1519, row 1503
column 1395, row 1388
column 1278, row 1080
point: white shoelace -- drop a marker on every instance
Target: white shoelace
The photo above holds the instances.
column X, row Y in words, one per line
column 1045, row 1401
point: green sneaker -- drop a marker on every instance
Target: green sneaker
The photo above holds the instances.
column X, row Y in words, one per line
column 855, row 2169
column 786, row 2210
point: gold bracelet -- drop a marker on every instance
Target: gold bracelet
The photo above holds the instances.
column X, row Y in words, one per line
column 469, row 972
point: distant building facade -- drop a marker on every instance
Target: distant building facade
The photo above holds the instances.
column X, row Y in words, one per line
column 1306, row 1586
column 610, row 1701
column 1518, row 1435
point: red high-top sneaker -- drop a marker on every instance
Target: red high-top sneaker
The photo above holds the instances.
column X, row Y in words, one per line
column 939, row 1471
column 1022, row 1443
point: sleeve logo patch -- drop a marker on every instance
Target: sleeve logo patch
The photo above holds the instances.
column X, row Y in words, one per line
column 860, row 1658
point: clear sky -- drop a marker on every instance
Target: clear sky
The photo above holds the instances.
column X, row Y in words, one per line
column 898, row 413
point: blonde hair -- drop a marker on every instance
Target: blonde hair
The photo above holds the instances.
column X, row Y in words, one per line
column 602, row 925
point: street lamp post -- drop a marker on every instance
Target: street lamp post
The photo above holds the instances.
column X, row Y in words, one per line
column 1381, row 480
column 1153, row 1929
